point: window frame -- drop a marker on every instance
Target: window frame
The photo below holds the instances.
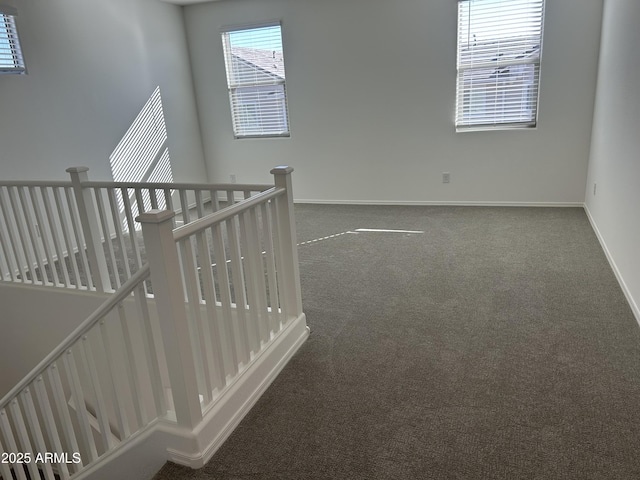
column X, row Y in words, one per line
column 527, row 59
column 240, row 129
column 8, row 21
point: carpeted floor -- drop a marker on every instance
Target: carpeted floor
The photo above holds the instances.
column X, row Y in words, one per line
column 495, row 345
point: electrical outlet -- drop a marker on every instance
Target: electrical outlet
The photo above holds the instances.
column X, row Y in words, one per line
column 233, row 178
column 594, row 188
column 446, row 177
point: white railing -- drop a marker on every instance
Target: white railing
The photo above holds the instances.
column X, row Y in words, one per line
column 82, row 234
column 239, row 280
column 93, row 392
column 225, row 288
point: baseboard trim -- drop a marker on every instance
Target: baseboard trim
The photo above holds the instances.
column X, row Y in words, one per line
column 614, row 266
column 142, row 455
column 439, row 203
column 225, row 416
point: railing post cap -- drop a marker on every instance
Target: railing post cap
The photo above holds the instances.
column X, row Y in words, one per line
column 77, row 169
column 155, row 216
column 281, row 170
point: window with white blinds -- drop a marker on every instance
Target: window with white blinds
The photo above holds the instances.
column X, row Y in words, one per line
column 256, row 81
column 11, row 60
column 499, row 48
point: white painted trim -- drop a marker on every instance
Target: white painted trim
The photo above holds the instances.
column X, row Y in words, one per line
column 140, row 456
column 138, row 438
column 440, row 203
column 219, row 422
column 627, row 293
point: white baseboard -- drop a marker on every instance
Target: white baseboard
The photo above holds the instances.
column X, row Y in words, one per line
column 144, row 454
column 614, row 266
column 439, row 203
column 231, row 408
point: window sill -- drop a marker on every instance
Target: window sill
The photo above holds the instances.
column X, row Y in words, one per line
column 270, row 135
column 494, row 128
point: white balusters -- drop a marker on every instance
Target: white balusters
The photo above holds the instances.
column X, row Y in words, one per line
column 87, row 358
column 64, row 214
column 117, row 222
column 22, row 235
column 44, row 235
column 34, row 427
column 132, row 372
column 5, row 470
column 272, row 282
column 78, row 237
column 217, row 339
column 104, row 224
column 196, row 327
column 235, row 268
column 11, row 445
column 241, row 325
column 87, row 442
column 49, row 423
column 115, row 390
column 8, row 242
column 62, row 409
column 84, row 204
column 250, row 269
column 15, row 414
column 32, row 239
column 152, row 348
column 131, row 227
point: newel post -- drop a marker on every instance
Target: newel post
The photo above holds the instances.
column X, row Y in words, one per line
column 162, row 254
column 88, row 212
column 288, row 242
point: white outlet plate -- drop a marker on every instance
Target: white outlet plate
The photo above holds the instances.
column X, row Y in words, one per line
column 446, row 177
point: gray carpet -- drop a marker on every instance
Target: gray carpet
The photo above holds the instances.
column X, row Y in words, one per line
column 495, row 345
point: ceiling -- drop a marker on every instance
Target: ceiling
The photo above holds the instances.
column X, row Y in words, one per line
column 188, row 2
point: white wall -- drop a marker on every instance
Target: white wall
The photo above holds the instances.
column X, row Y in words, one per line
column 615, row 160
column 371, row 96
column 33, row 321
column 92, row 66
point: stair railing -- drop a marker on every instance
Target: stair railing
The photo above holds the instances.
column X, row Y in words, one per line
column 82, row 234
column 225, row 287
column 239, row 287
column 98, row 388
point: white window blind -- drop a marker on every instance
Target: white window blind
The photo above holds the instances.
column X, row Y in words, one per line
column 499, row 48
column 256, row 81
column 11, row 60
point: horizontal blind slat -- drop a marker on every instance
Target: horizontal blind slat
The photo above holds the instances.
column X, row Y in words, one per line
column 256, row 80
column 498, row 61
column 11, row 60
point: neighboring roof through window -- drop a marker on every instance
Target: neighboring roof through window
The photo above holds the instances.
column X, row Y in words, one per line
column 499, row 52
column 254, row 63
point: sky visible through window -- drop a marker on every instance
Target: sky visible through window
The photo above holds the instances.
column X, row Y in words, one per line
column 518, row 18
column 267, row 38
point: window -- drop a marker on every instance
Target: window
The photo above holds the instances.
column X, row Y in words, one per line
column 10, row 54
column 256, row 80
column 499, row 48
